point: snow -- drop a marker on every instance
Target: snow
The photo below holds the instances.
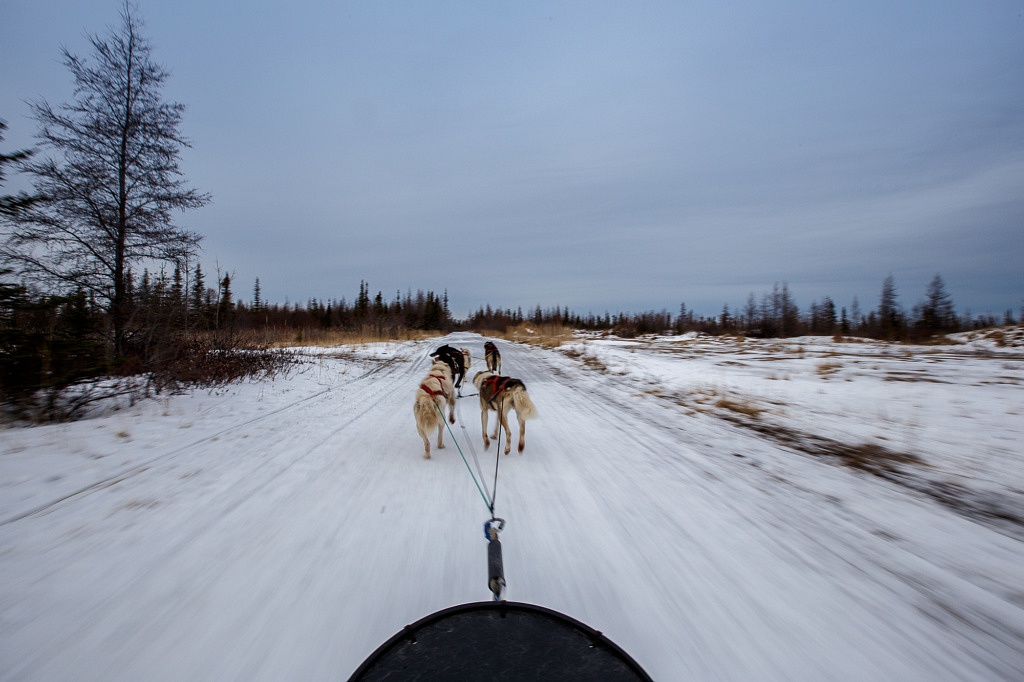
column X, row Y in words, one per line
column 689, row 497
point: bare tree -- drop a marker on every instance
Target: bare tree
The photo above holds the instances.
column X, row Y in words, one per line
column 111, row 178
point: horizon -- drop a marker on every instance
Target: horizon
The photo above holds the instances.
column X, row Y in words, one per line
column 600, row 158
column 865, row 307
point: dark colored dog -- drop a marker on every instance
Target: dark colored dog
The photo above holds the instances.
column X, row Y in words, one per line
column 492, row 357
column 454, row 358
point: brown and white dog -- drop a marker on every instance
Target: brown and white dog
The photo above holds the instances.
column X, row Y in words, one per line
column 492, row 357
column 503, row 394
column 435, row 389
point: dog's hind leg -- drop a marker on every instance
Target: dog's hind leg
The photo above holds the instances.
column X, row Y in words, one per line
column 525, row 409
column 424, row 421
column 483, row 424
column 426, row 444
column 508, row 431
column 440, row 428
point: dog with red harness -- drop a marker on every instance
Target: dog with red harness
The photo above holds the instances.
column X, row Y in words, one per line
column 503, row 394
column 434, row 391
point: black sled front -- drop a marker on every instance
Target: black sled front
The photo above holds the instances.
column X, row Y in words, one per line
column 499, row 641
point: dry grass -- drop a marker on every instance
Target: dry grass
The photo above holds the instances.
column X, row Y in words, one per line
column 545, row 335
column 591, row 361
column 746, row 413
column 708, row 398
column 912, row 377
column 284, row 337
column 868, row 457
column 827, row 369
column 740, row 407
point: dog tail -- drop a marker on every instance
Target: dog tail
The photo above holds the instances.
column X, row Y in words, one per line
column 525, row 409
column 425, row 410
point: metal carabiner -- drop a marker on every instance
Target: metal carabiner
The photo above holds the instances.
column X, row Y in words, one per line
column 495, row 566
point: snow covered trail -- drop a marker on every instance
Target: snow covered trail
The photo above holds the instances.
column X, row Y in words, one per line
column 708, row 554
column 285, row 530
column 194, row 564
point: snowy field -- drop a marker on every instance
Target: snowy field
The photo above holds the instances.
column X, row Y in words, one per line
column 720, row 509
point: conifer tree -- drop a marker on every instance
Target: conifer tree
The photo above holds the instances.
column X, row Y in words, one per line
column 224, row 306
column 11, row 205
column 890, row 321
column 937, row 313
column 197, row 297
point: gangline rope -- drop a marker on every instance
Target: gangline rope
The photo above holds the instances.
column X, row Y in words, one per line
column 495, row 566
column 497, row 458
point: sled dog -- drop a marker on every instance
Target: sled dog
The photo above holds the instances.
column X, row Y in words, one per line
column 492, row 357
column 434, row 391
column 466, row 363
column 502, row 394
column 455, row 361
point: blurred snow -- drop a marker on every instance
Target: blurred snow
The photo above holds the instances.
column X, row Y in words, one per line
column 693, row 498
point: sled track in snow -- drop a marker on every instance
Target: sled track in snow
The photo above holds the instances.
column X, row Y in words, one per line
column 256, row 479
column 163, row 458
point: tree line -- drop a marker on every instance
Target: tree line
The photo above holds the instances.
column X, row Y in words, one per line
column 96, row 280
column 773, row 314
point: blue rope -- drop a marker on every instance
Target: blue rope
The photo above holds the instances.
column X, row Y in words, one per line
column 490, row 505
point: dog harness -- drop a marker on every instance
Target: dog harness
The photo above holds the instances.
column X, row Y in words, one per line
column 501, row 384
column 454, row 359
column 440, row 379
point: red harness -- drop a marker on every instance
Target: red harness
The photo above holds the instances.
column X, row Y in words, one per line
column 500, row 384
column 440, row 379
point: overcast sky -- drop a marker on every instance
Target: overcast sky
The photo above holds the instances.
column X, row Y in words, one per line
column 605, row 156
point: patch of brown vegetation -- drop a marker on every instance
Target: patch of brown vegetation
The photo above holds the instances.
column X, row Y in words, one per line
column 912, row 377
column 285, row 337
column 827, row 369
column 739, row 407
column 544, row 335
column 588, row 360
column 901, row 468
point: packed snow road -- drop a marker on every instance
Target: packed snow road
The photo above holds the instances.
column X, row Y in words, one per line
column 285, row 530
